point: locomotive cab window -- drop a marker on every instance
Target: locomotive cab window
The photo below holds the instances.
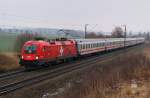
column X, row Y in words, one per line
column 30, row 49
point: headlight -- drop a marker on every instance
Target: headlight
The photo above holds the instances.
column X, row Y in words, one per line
column 36, row 57
column 22, row 57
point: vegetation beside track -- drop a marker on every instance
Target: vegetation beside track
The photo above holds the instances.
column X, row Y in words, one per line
column 111, row 79
column 124, row 77
column 8, row 62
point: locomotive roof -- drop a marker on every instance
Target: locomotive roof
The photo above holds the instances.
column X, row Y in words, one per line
column 42, row 42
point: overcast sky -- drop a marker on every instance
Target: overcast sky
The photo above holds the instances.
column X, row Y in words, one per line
column 74, row 14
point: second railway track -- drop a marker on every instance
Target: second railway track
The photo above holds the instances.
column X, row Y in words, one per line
column 56, row 72
column 11, row 74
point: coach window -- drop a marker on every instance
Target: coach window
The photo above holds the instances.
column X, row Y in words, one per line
column 101, row 44
column 106, row 43
column 80, row 46
column 86, row 46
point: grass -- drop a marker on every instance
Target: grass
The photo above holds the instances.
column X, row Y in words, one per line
column 7, row 42
column 114, row 79
column 8, row 62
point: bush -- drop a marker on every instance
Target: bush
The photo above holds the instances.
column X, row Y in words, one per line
column 8, row 62
column 105, row 81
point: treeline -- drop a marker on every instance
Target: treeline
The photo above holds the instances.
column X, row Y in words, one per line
column 118, row 32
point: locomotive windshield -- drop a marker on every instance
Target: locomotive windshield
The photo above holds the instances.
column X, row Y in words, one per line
column 30, row 49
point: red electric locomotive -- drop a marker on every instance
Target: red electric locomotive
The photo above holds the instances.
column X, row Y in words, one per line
column 41, row 53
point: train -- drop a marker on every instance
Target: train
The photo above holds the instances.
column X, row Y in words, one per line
column 40, row 53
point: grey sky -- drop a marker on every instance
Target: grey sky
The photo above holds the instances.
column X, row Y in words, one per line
column 75, row 13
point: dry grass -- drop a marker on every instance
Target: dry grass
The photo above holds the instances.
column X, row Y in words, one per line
column 8, row 62
column 125, row 77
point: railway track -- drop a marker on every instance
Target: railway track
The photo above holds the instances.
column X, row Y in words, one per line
column 56, row 72
column 11, row 74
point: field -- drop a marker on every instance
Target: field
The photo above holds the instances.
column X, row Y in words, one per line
column 7, row 42
column 125, row 77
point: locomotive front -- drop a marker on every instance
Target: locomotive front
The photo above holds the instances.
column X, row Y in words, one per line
column 31, row 54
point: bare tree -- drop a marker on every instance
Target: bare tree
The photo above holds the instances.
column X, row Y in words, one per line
column 94, row 35
column 117, row 32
